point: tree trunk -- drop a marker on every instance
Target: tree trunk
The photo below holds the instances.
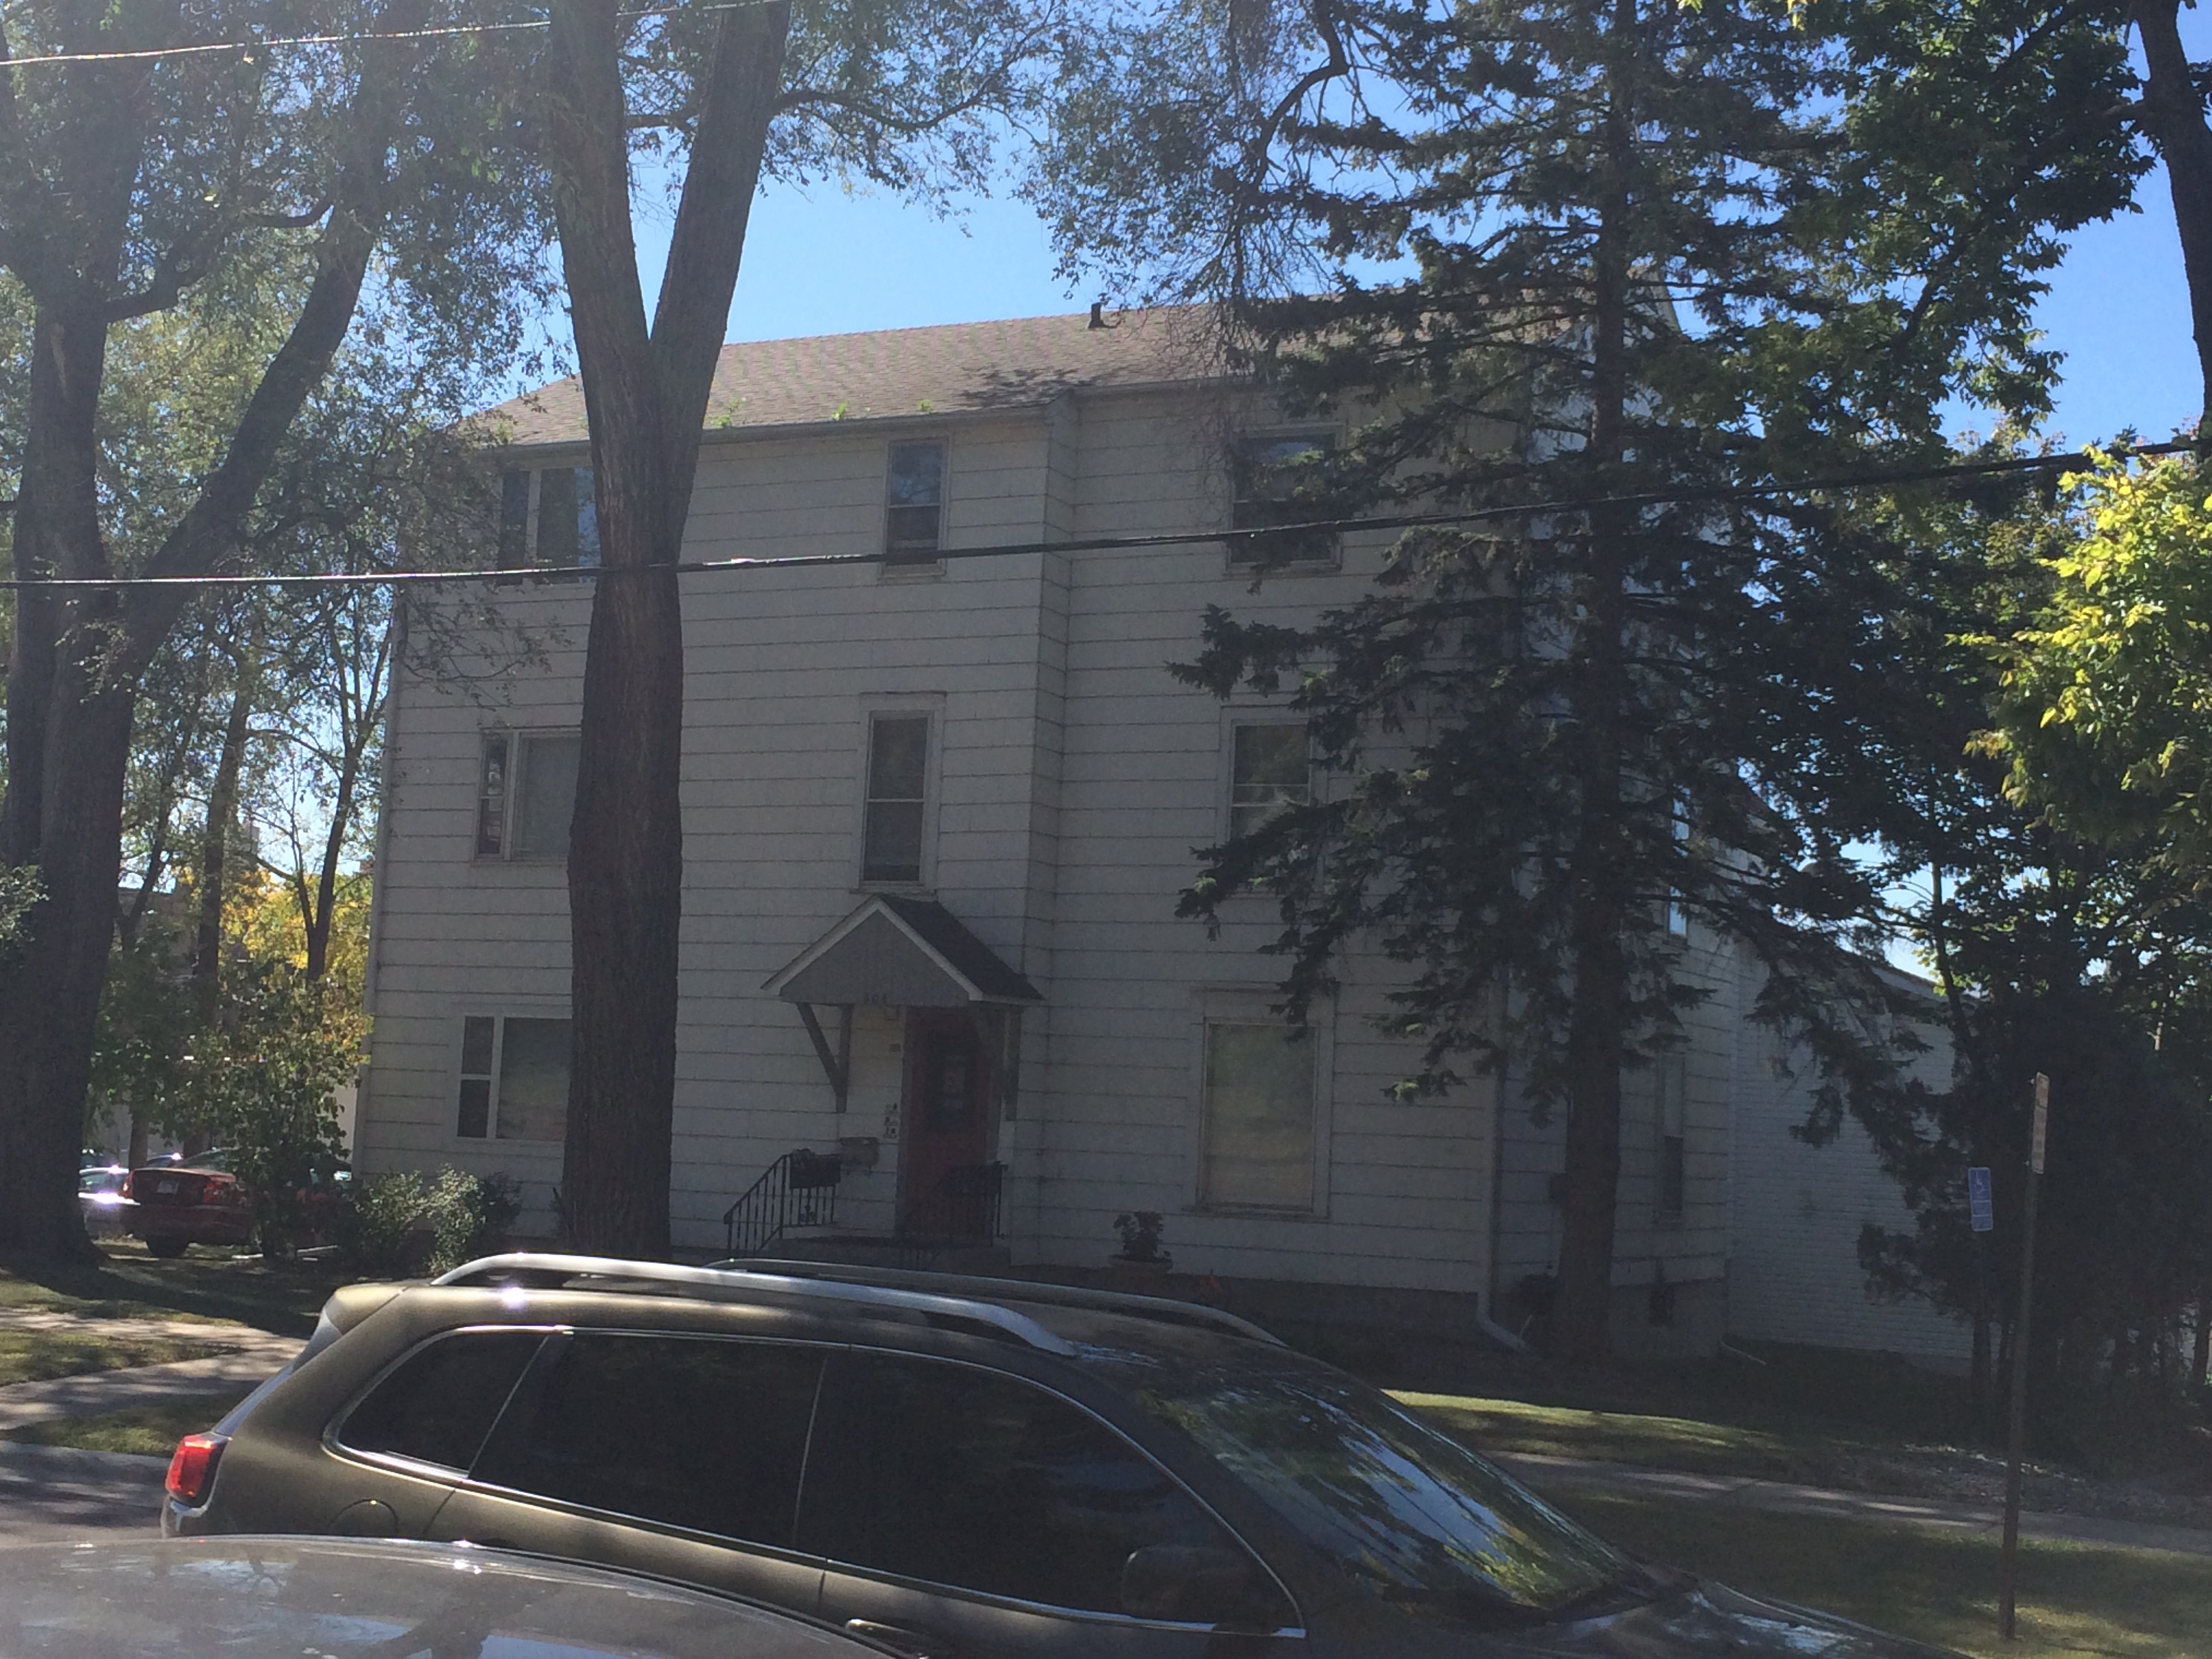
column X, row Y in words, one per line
column 1596, row 1026
column 53, row 815
column 214, row 844
column 2200, row 1359
column 70, row 688
column 645, row 393
column 2174, row 110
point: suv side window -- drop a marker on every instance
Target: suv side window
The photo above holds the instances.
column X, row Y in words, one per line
column 702, row 1432
column 441, row 1402
column 961, row 1477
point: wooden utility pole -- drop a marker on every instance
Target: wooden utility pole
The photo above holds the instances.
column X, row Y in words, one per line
column 2006, row 1618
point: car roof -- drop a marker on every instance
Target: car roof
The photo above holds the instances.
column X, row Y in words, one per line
column 1050, row 1318
column 275, row 1598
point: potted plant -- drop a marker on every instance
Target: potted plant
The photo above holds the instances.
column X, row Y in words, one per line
column 1140, row 1256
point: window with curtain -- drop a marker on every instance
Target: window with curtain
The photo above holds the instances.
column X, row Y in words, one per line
column 1258, row 1110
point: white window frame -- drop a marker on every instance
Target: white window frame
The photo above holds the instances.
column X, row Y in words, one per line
column 532, row 515
column 499, row 1014
column 1240, row 558
column 518, row 739
column 915, row 569
column 926, row 705
column 1214, row 1005
column 1233, row 719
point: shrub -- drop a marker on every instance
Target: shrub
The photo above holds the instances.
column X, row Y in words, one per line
column 403, row 1225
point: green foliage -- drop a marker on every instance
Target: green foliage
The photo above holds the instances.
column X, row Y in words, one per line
column 2106, row 712
column 403, row 1225
column 2089, row 959
column 18, row 891
column 263, row 1079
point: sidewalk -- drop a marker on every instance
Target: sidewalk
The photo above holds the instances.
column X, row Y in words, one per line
column 244, row 1356
column 1782, row 1498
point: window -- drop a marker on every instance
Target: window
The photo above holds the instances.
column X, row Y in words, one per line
column 956, row 1476
column 515, row 1079
column 526, row 795
column 913, row 505
column 1269, row 768
column 699, row 1432
column 568, row 517
column 1258, row 1118
column 1678, row 913
column 513, row 518
column 896, row 815
column 566, row 510
column 1670, row 1085
column 1274, row 481
column 441, row 1402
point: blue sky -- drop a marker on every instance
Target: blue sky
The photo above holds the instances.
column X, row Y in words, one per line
column 827, row 263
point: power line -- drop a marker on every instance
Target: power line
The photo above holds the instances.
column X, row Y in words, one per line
column 513, row 575
column 203, row 48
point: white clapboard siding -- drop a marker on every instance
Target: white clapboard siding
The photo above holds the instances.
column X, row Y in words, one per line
column 1075, row 776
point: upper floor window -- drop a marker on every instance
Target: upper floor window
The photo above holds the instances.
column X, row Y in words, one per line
column 550, row 516
column 527, row 795
column 1270, row 767
column 515, row 1079
column 913, row 505
column 1268, row 474
column 895, row 818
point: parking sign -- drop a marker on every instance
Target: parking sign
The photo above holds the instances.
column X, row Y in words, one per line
column 1979, row 1203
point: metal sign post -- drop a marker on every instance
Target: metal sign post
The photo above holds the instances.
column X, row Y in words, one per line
column 1981, row 1211
column 2006, row 1614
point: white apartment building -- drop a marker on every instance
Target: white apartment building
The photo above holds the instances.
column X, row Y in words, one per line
column 937, row 812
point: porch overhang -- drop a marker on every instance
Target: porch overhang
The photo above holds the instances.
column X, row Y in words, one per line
column 901, row 953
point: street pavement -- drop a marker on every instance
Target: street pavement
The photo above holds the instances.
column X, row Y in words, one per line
column 50, row 1494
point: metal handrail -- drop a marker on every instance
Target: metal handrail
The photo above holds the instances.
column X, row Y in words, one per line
column 799, row 1189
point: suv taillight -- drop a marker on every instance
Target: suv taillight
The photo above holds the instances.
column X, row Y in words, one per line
column 127, row 1180
column 191, row 1468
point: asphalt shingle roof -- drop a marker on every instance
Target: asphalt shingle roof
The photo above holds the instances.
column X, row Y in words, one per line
column 956, row 368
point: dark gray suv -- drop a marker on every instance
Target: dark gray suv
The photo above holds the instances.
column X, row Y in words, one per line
column 961, row 1468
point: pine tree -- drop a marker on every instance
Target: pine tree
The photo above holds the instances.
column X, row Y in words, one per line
column 1668, row 264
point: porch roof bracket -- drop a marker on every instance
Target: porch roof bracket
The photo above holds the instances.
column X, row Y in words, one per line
column 837, row 1064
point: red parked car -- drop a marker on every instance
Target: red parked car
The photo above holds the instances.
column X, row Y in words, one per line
column 198, row 1201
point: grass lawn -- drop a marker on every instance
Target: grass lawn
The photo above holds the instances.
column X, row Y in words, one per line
column 149, row 1430
column 2075, row 1599
column 199, row 1285
column 1667, row 1443
column 36, row 1355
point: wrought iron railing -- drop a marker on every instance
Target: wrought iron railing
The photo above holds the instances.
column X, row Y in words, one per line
column 963, row 1208
column 799, row 1189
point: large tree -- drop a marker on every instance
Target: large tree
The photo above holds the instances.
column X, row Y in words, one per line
column 133, row 180
column 1619, row 276
column 907, row 96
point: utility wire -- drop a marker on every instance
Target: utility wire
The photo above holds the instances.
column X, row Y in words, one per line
column 203, row 48
column 512, row 576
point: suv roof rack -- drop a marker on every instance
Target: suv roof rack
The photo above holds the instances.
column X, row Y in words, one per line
column 548, row 1271
column 1160, row 1309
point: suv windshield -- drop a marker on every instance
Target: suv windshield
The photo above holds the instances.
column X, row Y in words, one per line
column 1404, row 1508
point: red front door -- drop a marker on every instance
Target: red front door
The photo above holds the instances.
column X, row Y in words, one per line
column 948, row 1117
